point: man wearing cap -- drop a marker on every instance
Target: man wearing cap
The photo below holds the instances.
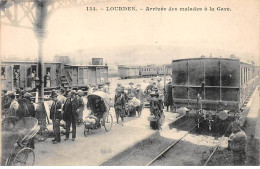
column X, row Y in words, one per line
column 120, row 104
column 237, row 143
column 70, row 115
column 55, row 116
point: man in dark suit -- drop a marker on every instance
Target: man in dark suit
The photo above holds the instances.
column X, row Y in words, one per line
column 55, row 116
column 70, row 115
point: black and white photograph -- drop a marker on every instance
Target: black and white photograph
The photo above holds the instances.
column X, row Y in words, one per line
column 130, row 82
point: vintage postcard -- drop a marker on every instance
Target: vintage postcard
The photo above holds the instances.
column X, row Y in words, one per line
column 130, row 82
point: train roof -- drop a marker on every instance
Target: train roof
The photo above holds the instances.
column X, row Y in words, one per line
column 86, row 65
column 26, row 62
column 220, row 58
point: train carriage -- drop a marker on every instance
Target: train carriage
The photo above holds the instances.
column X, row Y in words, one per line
column 18, row 75
column 148, row 70
column 212, row 84
column 128, row 71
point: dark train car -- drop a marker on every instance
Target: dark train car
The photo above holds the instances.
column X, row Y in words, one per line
column 222, row 84
column 128, row 71
column 17, row 75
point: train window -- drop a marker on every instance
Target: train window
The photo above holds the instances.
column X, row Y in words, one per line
column 230, row 73
column 3, row 72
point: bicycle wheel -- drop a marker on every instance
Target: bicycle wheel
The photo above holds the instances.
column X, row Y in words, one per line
column 42, row 134
column 108, row 122
column 24, row 157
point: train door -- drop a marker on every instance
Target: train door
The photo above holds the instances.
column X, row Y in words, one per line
column 81, row 82
column 85, row 76
column 98, row 75
column 16, row 77
column 6, row 77
column 47, row 81
column 92, row 75
column 53, row 75
column 74, row 76
column 58, row 73
column 105, row 74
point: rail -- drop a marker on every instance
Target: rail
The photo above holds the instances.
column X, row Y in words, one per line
column 170, row 146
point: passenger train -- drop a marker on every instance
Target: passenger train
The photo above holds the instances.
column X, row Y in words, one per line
column 18, row 75
column 126, row 72
column 216, row 89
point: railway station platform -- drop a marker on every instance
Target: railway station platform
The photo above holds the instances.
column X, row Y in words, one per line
column 252, row 129
column 99, row 145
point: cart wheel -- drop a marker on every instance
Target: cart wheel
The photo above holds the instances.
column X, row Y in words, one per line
column 108, row 122
column 25, row 157
column 42, row 134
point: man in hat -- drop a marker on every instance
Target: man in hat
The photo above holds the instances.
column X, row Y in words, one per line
column 156, row 107
column 131, row 89
column 120, row 101
column 140, row 96
column 55, row 116
column 237, row 143
column 70, row 115
column 168, row 95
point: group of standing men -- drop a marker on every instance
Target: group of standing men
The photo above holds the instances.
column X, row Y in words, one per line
column 72, row 109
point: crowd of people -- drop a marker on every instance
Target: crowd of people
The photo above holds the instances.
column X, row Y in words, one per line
column 68, row 105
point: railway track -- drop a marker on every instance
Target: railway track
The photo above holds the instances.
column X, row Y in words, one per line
column 181, row 146
column 169, row 147
column 158, row 160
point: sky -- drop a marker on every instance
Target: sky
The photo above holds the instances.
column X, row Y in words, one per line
column 144, row 37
